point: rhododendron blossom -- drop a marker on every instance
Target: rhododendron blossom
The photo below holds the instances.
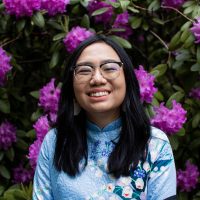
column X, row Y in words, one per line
column 195, row 93
column 187, row 179
column 146, row 83
column 41, row 127
column 34, row 150
column 196, row 30
column 21, row 8
column 49, row 97
column 121, row 22
column 75, row 37
column 173, row 3
column 104, row 17
column 54, row 6
column 5, row 66
column 7, row 135
column 169, row 120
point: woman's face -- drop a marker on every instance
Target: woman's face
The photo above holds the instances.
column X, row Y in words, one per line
column 99, row 95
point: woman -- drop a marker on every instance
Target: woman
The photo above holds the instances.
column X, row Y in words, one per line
column 103, row 146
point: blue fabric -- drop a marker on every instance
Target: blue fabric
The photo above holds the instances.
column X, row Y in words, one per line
column 153, row 179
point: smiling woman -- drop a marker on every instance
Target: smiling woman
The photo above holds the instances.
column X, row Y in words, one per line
column 103, row 146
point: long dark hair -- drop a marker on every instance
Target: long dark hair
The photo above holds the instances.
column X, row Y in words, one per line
column 71, row 139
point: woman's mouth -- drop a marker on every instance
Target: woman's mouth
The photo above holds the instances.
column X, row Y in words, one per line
column 98, row 94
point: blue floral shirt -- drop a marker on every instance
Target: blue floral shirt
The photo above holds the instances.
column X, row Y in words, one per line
column 153, row 179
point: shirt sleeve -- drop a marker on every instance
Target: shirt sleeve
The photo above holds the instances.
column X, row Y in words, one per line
column 162, row 178
column 42, row 184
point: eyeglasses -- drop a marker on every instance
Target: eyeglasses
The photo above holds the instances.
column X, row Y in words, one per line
column 109, row 70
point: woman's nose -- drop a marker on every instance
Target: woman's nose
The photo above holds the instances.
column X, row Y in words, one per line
column 97, row 78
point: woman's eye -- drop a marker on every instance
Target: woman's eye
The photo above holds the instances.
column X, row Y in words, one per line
column 84, row 71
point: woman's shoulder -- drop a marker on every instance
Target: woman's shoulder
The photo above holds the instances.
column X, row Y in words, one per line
column 157, row 134
column 50, row 137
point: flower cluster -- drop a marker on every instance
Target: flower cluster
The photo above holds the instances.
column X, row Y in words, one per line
column 41, row 127
column 49, row 97
column 187, row 179
column 54, row 6
column 22, row 8
column 75, row 37
column 173, row 3
column 7, row 135
column 5, row 66
column 121, row 22
column 22, row 175
column 169, row 120
column 196, row 30
column 195, row 93
column 146, row 82
column 104, row 17
column 34, row 150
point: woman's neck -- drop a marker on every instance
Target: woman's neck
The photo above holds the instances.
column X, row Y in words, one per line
column 103, row 119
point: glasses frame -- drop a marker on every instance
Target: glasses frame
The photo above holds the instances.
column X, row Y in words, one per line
column 117, row 62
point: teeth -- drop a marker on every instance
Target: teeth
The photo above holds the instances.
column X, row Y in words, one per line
column 98, row 94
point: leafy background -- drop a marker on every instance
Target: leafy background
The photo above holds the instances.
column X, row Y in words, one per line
column 161, row 41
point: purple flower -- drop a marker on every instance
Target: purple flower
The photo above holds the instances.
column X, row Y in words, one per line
column 54, row 6
column 41, row 127
column 75, row 37
column 22, row 8
column 7, row 135
column 104, row 17
column 173, row 3
column 22, row 175
column 195, row 93
column 146, row 82
column 169, row 120
column 34, row 150
column 121, row 22
column 49, row 97
column 188, row 179
column 5, row 66
column 196, row 30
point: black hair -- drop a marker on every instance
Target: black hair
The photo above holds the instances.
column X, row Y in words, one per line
column 71, row 137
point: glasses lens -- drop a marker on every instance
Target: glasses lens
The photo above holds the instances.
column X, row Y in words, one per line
column 110, row 70
column 83, row 73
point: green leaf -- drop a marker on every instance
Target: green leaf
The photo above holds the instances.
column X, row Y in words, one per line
column 181, row 132
column 158, row 95
column 178, row 88
column 136, row 22
column 194, row 144
column 72, row 2
column 31, row 134
column 99, row 11
column 55, row 25
column 21, row 24
column 10, row 154
column 161, row 68
column 189, row 41
column 186, row 26
column 4, row 106
column 154, row 5
column 175, row 41
column 155, row 102
column 155, row 73
column 176, row 96
column 174, row 142
column 114, row 4
column 186, row 33
column 59, row 36
column 76, row 9
column 195, row 67
column 198, row 55
column 124, row 4
column 2, row 189
column 1, row 155
column 36, row 115
column 35, row 94
column 158, row 21
column 132, row 9
column 196, row 120
column 54, row 59
column 38, row 19
column 85, row 22
column 121, row 41
column 4, row 172
column 22, row 144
